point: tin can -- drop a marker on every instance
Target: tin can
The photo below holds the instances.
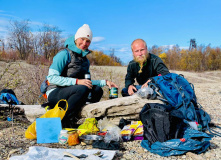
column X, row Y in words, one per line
column 87, row 76
column 113, row 93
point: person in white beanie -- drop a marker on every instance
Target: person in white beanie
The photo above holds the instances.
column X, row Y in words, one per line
column 67, row 80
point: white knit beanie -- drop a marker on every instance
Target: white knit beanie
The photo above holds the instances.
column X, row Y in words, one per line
column 85, row 32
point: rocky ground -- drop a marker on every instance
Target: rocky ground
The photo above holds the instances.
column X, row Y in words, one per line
column 208, row 91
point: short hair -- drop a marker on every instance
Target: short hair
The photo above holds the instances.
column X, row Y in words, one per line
column 138, row 40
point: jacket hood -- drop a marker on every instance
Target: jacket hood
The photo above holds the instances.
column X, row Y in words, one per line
column 71, row 45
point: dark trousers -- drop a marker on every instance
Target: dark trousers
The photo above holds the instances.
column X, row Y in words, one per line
column 76, row 96
column 124, row 91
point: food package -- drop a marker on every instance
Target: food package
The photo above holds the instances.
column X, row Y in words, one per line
column 129, row 130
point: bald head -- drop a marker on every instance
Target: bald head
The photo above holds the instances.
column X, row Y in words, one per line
column 139, row 49
column 138, row 41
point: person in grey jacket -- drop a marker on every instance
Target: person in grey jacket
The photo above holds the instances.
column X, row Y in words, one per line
column 144, row 66
column 67, row 80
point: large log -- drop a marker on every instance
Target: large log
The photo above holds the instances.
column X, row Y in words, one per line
column 124, row 106
column 114, row 110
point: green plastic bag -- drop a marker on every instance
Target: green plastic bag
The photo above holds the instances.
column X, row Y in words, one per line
column 90, row 124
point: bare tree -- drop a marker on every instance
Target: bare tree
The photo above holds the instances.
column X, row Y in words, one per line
column 155, row 50
column 2, row 44
column 49, row 40
column 115, row 58
column 19, row 37
column 34, row 40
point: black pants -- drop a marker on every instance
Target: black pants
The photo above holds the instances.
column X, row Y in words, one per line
column 76, row 97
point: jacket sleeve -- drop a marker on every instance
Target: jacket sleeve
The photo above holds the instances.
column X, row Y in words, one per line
column 56, row 68
column 160, row 67
column 129, row 79
column 100, row 83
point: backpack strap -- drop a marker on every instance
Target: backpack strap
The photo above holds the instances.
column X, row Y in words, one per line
column 157, row 94
column 213, row 132
column 68, row 50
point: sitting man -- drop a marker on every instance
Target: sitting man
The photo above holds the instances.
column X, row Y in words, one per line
column 144, row 66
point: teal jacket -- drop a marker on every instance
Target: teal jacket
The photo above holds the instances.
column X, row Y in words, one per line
column 60, row 61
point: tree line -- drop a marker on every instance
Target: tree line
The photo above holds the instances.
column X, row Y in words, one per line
column 202, row 58
column 41, row 46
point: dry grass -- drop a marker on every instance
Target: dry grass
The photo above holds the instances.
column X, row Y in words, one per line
column 111, row 73
column 25, row 79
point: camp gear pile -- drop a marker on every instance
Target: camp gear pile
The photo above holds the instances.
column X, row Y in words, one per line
column 177, row 126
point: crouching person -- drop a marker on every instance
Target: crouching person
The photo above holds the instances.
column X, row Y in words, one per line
column 144, row 66
column 67, row 76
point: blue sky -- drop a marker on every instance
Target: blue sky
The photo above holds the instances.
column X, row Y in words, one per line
column 116, row 23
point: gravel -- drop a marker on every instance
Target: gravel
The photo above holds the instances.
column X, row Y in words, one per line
column 208, row 91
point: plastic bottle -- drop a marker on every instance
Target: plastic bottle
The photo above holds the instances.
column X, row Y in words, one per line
column 63, row 137
column 145, row 92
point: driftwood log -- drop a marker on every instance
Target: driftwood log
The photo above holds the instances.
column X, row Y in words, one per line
column 115, row 109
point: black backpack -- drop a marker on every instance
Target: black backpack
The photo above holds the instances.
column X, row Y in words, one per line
column 160, row 123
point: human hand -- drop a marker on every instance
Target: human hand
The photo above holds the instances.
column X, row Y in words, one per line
column 131, row 89
column 85, row 82
column 146, row 84
column 111, row 84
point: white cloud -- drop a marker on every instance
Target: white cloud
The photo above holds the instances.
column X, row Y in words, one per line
column 98, row 39
column 124, row 49
column 184, row 47
column 3, row 29
column 9, row 15
column 167, row 46
column 4, row 22
column 172, row 45
column 36, row 23
column 108, row 47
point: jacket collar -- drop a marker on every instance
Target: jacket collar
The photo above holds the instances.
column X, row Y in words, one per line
column 71, row 45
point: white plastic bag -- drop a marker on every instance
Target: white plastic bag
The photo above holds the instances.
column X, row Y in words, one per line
column 113, row 131
column 145, row 92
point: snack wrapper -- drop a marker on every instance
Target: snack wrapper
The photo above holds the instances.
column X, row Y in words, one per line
column 129, row 130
